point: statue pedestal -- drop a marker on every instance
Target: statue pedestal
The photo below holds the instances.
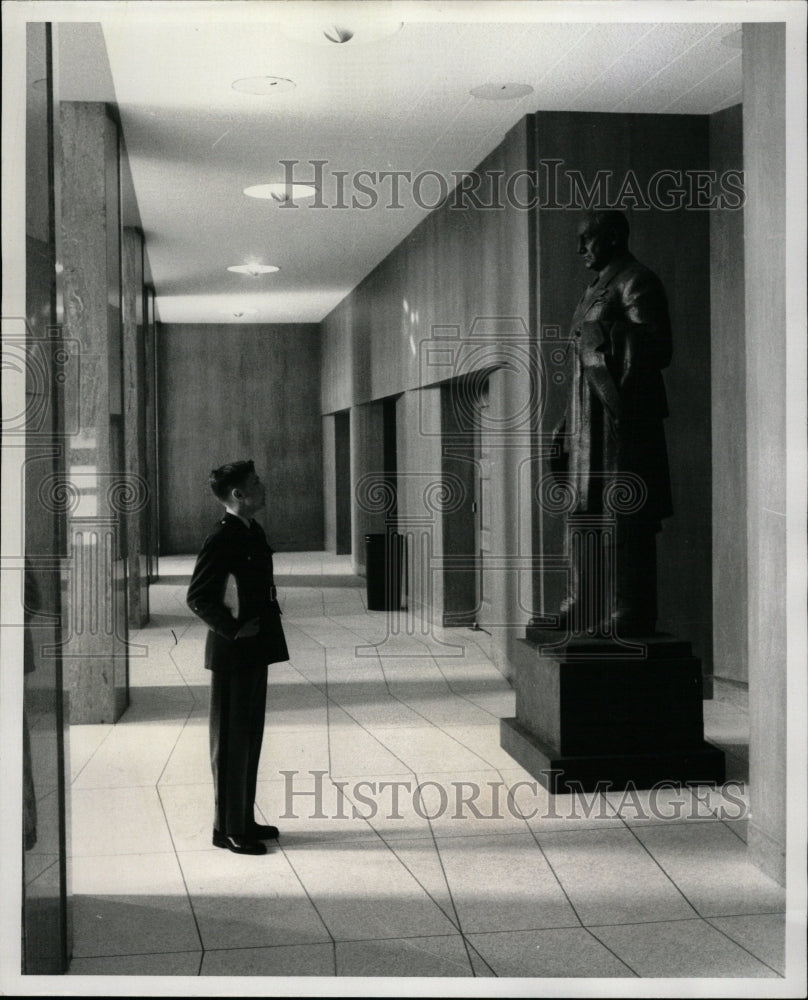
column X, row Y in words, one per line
column 623, row 712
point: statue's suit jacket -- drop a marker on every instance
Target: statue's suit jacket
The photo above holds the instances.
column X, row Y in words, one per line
column 614, row 434
column 237, row 559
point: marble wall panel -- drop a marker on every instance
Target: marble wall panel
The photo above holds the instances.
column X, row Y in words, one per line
column 765, row 244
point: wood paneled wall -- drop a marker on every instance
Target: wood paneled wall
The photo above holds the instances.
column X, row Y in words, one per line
column 456, row 266
column 229, row 392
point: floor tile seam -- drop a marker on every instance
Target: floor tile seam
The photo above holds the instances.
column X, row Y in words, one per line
column 642, row 923
column 268, row 947
column 171, row 752
column 740, row 944
column 465, row 698
column 330, row 701
column 142, row 954
column 482, row 708
column 150, row 783
column 645, row 824
column 491, row 766
column 747, row 913
column 300, row 673
column 73, row 780
column 644, row 846
column 612, row 952
column 348, row 628
column 327, row 717
column 322, row 645
column 415, row 974
column 406, row 704
column 307, row 894
column 436, row 845
column 469, row 946
column 607, row 821
column 410, row 708
column 182, row 676
column 422, row 780
column 555, row 875
column 456, row 921
column 180, row 784
column 454, row 834
column 398, row 937
column 124, row 854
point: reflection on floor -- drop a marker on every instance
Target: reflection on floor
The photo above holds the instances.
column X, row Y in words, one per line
column 411, row 844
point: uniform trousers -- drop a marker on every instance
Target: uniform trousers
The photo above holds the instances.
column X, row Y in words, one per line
column 237, row 705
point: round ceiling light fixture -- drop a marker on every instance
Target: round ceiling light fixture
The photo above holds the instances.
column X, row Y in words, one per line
column 315, row 31
column 238, row 313
column 254, row 269
column 501, row 91
column 263, row 85
column 281, row 192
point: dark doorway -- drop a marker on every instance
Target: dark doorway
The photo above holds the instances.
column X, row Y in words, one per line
column 390, row 452
column 464, row 533
column 342, row 476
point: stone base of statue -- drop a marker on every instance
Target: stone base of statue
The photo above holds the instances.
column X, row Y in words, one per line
column 608, row 713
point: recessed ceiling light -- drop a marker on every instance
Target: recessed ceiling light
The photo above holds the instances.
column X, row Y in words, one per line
column 337, row 34
column 501, row 91
column 281, row 191
column 359, row 31
column 239, row 313
column 254, row 269
column 263, row 85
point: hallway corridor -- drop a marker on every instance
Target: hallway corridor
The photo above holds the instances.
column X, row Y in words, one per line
column 370, row 878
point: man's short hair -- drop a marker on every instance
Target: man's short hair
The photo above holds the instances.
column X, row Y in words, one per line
column 223, row 479
column 613, row 222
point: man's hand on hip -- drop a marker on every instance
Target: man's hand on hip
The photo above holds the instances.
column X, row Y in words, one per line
column 248, row 629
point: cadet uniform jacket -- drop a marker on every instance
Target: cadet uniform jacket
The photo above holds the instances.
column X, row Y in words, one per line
column 231, row 584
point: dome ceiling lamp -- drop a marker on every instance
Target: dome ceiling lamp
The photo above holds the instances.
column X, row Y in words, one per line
column 253, row 270
column 354, row 31
column 239, row 312
column 501, row 91
column 281, row 192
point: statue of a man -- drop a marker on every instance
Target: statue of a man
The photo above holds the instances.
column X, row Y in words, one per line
column 611, row 443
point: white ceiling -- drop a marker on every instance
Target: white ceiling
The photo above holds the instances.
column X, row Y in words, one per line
column 400, row 103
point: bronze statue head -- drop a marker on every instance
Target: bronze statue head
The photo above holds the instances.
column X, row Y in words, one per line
column 602, row 236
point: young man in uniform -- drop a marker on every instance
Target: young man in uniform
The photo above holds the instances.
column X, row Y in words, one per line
column 232, row 590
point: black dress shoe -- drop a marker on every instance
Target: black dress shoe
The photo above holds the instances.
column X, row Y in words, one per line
column 238, row 844
column 260, row 831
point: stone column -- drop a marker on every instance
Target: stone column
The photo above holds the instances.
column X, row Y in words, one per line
column 95, row 650
column 150, row 333
column 134, row 403
column 765, row 268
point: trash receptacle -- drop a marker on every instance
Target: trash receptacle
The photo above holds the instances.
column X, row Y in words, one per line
column 384, row 554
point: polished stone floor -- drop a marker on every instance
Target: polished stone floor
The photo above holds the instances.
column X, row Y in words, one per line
column 411, row 843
